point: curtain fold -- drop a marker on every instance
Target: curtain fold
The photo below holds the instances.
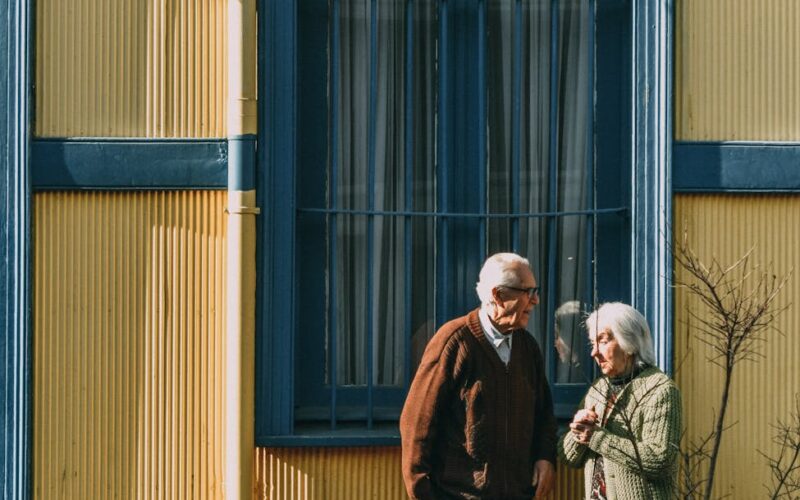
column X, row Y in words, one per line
column 393, row 270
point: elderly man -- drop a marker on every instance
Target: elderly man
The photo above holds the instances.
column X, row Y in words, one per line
column 478, row 421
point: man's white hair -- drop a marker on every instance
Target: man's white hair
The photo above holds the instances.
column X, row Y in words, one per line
column 629, row 328
column 501, row 269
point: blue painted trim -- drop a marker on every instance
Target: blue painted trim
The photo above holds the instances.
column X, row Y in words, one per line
column 67, row 164
column 362, row 438
column 242, row 163
column 16, row 388
column 275, row 313
column 735, row 167
column 652, row 186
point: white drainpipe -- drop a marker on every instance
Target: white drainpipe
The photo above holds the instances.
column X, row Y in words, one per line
column 238, row 479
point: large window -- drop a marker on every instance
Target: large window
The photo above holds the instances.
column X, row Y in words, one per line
column 430, row 135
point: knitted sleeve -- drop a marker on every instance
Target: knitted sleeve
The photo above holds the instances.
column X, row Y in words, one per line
column 647, row 444
column 419, row 431
column 571, row 451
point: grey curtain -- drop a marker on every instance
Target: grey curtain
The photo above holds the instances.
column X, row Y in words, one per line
column 393, row 270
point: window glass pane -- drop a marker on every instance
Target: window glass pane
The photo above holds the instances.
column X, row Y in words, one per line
column 572, row 168
column 423, row 238
column 402, row 257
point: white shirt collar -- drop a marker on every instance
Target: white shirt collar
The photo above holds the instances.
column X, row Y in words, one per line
column 493, row 335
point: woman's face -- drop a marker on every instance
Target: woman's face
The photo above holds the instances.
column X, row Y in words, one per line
column 608, row 354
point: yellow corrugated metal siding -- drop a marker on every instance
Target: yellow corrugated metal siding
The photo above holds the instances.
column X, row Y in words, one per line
column 128, row 344
column 131, row 68
column 353, row 474
column 737, row 70
column 725, row 227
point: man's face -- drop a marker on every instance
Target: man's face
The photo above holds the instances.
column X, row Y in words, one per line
column 514, row 306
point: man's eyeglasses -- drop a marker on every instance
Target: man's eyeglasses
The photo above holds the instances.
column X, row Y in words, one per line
column 532, row 291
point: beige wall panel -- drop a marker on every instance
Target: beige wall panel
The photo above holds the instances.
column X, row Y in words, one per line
column 737, row 70
column 725, row 227
column 130, row 68
column 352, row 474
column 128, row 344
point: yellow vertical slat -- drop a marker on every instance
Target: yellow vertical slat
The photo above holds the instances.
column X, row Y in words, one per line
column 736, row 70
column 725, row 227
column 130, row 68
column 128, row 322
column 353, row 473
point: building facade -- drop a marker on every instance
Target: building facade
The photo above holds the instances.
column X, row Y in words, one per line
column 230, row 226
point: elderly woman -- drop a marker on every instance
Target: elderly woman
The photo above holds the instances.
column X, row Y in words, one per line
column 626, row 434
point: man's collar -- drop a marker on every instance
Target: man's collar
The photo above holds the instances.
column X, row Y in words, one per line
column 492, row 333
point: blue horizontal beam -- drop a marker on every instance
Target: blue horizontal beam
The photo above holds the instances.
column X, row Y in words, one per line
column 735, row 167
column 71, row 164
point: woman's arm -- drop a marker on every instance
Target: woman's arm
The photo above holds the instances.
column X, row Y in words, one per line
column 653, row 454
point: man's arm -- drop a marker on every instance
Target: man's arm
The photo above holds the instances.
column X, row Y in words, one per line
column 427, row 396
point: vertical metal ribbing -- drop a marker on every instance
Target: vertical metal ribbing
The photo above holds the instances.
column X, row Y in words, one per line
column 516, row 71
column 373, row 115
column 444, row 163
column 590, row 294
column 552, row 198
column 408, row 193
column 333, row 184
column 484, row 195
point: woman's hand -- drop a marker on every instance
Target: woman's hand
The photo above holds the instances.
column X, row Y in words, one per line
column 583, row 425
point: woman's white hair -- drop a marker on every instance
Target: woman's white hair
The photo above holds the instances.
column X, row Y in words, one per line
column 629, row 328
column 501, row 269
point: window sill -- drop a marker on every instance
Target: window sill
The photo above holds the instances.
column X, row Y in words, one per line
column 306, row 435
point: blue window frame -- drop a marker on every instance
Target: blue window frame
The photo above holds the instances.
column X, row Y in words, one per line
column 460, row 182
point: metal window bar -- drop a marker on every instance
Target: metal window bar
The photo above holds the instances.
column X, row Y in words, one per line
column 441, row 283
column 552, row 194
column 408, row 192
column 589, row 294
column 373, row 90
column 516, row 75
column 333, row 184
column 466, row 215
column 482, row 121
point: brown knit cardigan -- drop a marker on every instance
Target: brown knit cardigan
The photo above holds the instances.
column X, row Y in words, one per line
column 471, row 426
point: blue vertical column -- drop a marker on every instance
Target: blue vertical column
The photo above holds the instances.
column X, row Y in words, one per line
column 652, row 143
column 16, row 389
column 275, row 244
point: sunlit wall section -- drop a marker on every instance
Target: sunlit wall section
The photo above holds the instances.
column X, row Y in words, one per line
column 725, row 227
column 737, row 70
column 130, row 68
column 353, row 474
column 128, row 344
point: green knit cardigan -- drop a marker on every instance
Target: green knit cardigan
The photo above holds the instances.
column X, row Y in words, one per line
column 639, row 442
